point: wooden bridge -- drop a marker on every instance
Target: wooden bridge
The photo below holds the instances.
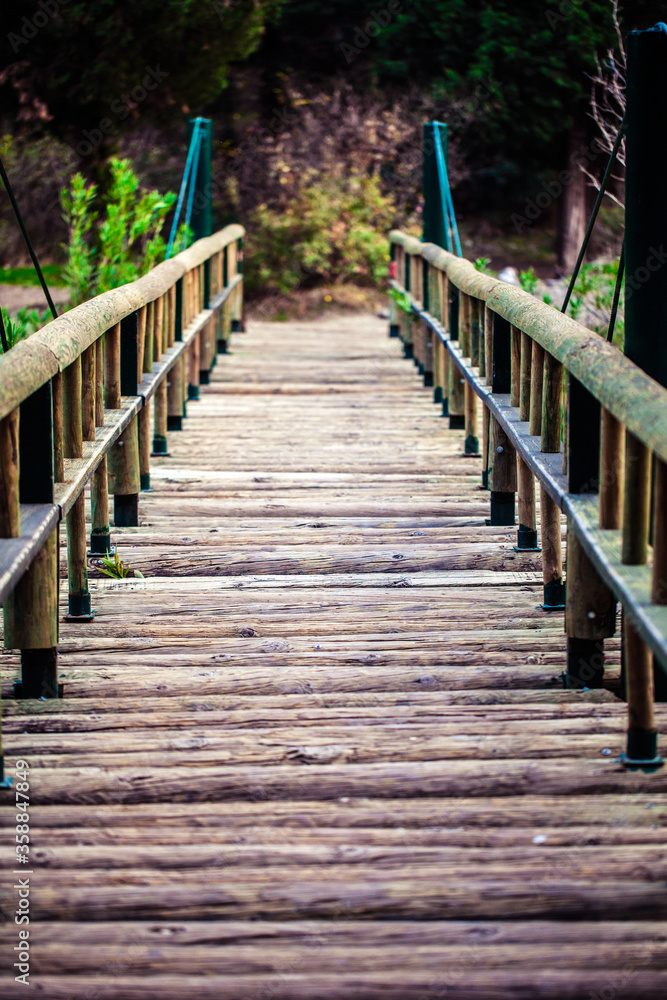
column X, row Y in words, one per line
column 323, row 748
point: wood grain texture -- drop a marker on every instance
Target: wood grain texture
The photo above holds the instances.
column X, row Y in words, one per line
column 323, row 749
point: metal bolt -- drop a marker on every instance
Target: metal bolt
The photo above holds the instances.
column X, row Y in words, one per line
column 499, row 449
column 591, row 615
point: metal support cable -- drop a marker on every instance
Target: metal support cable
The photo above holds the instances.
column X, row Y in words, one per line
column 617, row 296
column 594, row 215
column 31, row 251
column 187, row 182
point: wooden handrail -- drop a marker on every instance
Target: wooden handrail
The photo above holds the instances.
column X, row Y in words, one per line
column 595, row 464
column 74, row 398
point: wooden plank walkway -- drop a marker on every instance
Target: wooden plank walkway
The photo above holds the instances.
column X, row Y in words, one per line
column 321, row 751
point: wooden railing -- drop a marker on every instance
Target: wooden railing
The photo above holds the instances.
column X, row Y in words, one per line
column 74, row 408
column 565, row 408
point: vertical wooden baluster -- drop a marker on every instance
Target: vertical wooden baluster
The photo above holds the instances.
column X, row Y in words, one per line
column 145, row 447
column 464, row 325
column 58, row 455
column 486, row 445
column 160, row 421
column 10, row 517
column 471, row 446
column 515, row 368
column 612, row 455
column 72, row 400
column 488, row 345
column 88, row 388
column 536, row 385
column 112, row 368
column 141, row 343
column 503, row 476
column 527, row 530
column 194, row 368
column 552, row 554
column 124, row 476
column 79, row 609
column 638, row 660
column 659, row 576
column 552, row 404
column 148, row 338
column 590, row 617
column 160, row 345
column 31, row 611
column 205, row 354
column 100, row 539
column 475, row 330
column 525, row 369
column 438, row 371
column 172, row 316
column 175, row 396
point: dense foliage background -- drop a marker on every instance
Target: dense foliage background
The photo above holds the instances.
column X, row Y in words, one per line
column 318, row 109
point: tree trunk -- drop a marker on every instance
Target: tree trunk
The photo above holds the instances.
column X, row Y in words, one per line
column 573, row 216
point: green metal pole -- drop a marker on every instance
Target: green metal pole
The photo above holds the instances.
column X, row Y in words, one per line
column 434, row 225
column 202, row 206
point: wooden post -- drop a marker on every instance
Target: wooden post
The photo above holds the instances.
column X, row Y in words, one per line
column 438, row 370
column 552, row 556
column 149, row 338
column 486, row 428
column 476, row 333
column 31, row 624
column 642, row 745
column 175, row 396
column 488, row 346
column 100, row 535
column 636, row 508
column 99, row 382
column 503, row 476
column 88, row 372
column 124, row 477
column 145, row 447
column 536, row 390
column 112, row 368
column 590, row 617
column 526, row 367
column 526, row 540
column 552, row 409
column 160, row 416
column 471, row 446
column 427, row 356
column 58, row 456
column 141, row 342
column 612, row 451
column 72, row 424
column 194, row 368
column 79, row 609
column 10, row 516
column 515, row 368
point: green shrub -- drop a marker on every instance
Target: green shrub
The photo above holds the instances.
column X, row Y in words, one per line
column 329, row 232
column 103, row 253
column 20, row 326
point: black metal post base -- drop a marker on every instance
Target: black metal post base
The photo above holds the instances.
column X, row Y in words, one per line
column 222, row 346
column 471, row 447
column 159, row 447
column 174, row 423
column 126, row 510
column 526, row 540
column 237, row 326
column 502, row 509
column 445, row 406
column 5, row 781
column 204, row 376
column 585, row 663
column 437, row 394
column 39, row 674
column 193, row 391
column 428, row 379
column 554, row 596
column 145, row 482
column 457, row 422
column 78, row 608
column 407, row 350
column 642, row 750
column 100, row 543
column 394, row 330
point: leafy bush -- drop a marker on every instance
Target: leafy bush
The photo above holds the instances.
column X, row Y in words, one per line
column 20, row 326
column 127, row 242
column 332, row 231
column 592, row 299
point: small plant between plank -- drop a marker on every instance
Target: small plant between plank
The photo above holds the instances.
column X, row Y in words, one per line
column 112, row 565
